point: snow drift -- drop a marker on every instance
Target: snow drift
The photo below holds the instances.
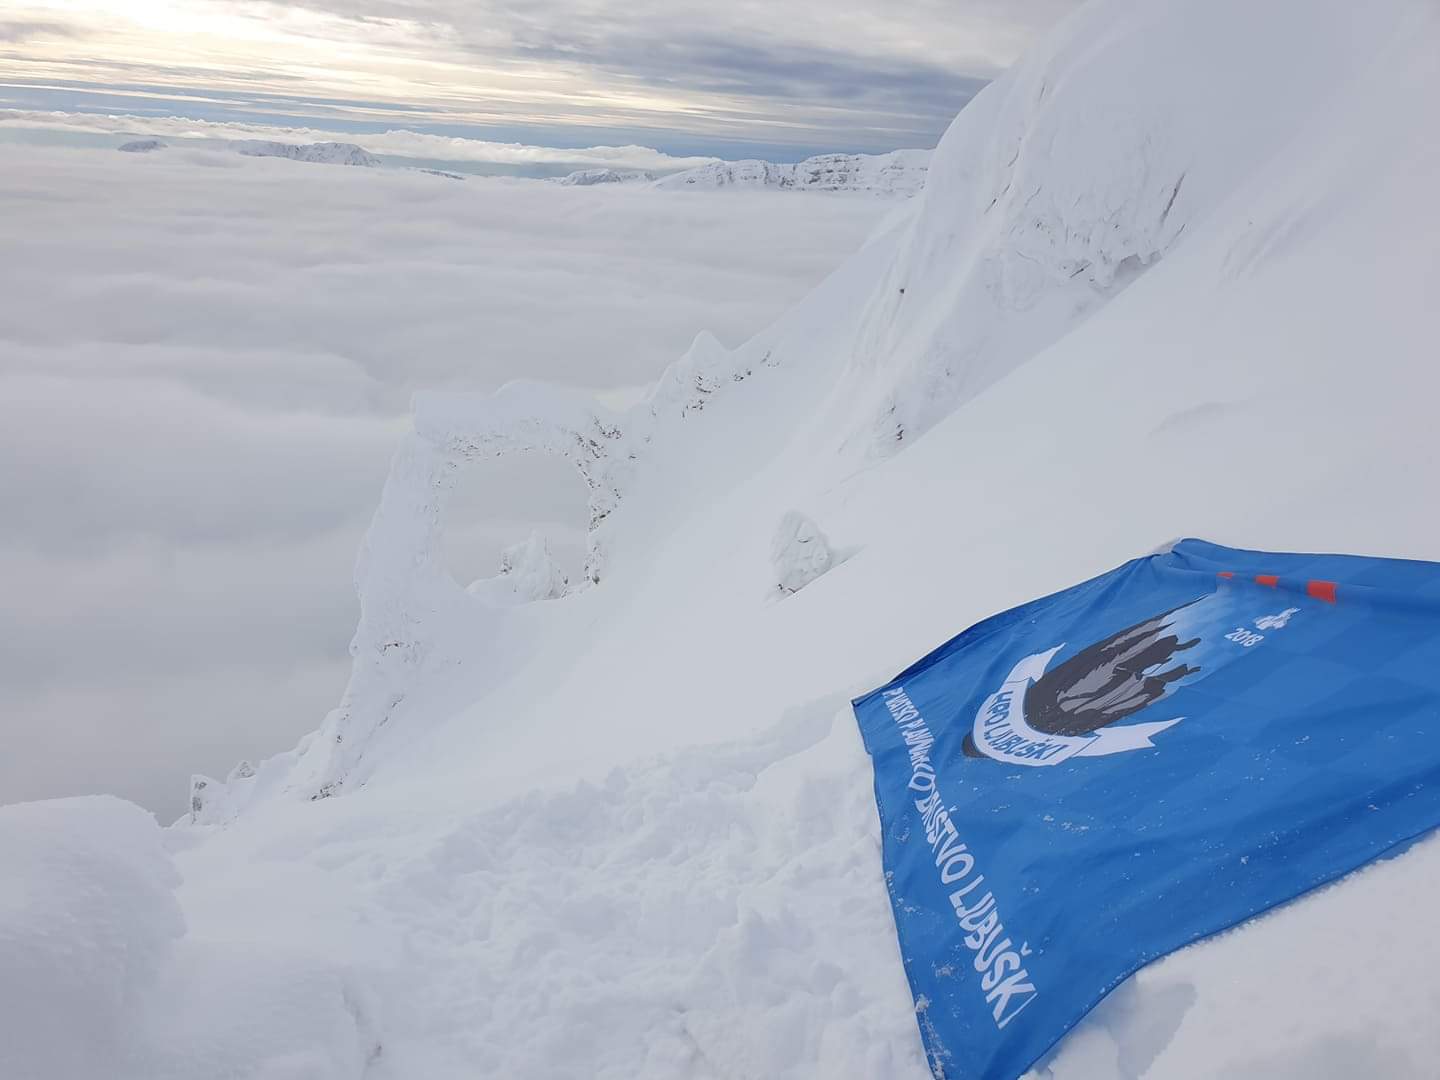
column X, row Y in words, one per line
column 100, row 978
column 1173, row 274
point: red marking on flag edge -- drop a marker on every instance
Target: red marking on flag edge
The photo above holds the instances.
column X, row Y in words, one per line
column 1318, row 590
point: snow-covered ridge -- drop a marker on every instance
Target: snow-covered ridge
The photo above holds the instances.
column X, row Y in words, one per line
column 323, row 153
column 593, row 177
column 900, row 172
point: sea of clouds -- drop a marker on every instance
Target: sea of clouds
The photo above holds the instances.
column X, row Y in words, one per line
column 205, row 361
column 399, row 145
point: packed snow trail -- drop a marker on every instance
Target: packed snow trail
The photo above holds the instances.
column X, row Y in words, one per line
column 1173, row 274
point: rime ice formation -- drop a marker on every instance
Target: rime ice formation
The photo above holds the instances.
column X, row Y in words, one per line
column 799, row 552
column 527, row 573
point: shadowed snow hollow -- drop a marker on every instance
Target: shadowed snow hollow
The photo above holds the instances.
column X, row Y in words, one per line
column 1174, row 274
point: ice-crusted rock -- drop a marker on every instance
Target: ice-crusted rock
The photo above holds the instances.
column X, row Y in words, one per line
column 799, row 552
column 527, row 573
column 141, row 146
column 324, row 153
column 900, row 172
column 200, row 787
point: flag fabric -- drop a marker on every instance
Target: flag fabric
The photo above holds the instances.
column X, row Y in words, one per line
column 1080, row 785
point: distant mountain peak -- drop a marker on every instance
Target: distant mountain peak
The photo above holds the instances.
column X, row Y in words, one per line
column 593, row 177
column 325, row 153
column 900, row 172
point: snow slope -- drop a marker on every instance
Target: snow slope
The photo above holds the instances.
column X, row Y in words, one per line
column 900, row 172
column 1173, row 274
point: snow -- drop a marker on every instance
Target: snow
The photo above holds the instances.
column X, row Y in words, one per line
column 898, row 173
column 527, row 573
column 324, row 153
column 88, row 917
column 100, row 977
column 799, row 552
column 591, row 177
column 630, row 833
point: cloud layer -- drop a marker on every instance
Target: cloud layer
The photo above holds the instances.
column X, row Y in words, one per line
column 448, row 149
column 205, row 360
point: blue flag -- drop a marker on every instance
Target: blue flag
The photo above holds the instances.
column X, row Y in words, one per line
column 1078, row 786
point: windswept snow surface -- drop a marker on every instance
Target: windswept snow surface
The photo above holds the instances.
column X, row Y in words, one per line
column 900, row 172
column 1174, row 274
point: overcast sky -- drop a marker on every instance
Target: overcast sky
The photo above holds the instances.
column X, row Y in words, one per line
column 732, row 79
